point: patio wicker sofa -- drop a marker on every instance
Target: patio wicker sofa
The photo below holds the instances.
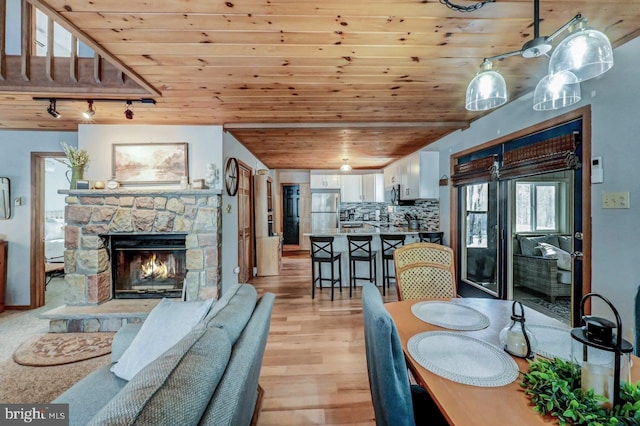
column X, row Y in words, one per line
column 531, row 269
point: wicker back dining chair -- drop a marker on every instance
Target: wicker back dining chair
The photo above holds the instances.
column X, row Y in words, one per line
column 424, row 270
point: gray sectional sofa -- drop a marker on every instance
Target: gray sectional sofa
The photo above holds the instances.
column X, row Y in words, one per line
column 531, row 269
column 210, row 377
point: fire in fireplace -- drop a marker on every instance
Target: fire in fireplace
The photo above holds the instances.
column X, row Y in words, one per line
column 147, row 265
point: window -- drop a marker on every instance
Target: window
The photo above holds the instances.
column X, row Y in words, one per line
column 537, row 206
column 477, row 201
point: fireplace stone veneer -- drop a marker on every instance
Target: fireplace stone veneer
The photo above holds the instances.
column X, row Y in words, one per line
column 91, row 213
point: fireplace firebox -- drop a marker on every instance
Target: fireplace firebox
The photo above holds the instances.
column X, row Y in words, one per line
column 147, row 265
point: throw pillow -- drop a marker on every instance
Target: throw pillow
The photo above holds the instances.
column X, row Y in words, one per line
column 553, row 252
column 166, row 324
column 565, row 243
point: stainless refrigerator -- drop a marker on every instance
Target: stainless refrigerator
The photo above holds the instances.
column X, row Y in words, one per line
column 325, row 207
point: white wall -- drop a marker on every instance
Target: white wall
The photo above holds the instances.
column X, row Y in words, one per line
column 15, row 163
column 205, row 145
column 615, row 129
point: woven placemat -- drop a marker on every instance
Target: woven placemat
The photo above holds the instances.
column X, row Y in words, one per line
column 62, row 348
column 463, row 359
column 450, row 315
column 551, row 342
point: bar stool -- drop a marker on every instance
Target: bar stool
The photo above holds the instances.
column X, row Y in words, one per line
column 322, row 252
column 389, row 243
column 431, row 237
column 360, row 251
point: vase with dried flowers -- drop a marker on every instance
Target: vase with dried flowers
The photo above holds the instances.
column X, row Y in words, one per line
column 76, row 160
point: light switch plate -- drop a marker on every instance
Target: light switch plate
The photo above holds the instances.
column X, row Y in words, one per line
column 615, row 200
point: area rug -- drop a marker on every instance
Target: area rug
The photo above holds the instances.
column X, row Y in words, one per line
column 62, row 348
column 20, row 384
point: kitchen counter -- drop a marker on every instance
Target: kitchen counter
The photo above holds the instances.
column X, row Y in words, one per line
column 341, row 246
column 365, row 229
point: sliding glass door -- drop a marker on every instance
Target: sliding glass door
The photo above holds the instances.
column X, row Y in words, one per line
column 479, row 238
column 519, row 221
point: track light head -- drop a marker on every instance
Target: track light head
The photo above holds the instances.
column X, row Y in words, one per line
column 128, row 112
column 52, row 109
column 90, row 112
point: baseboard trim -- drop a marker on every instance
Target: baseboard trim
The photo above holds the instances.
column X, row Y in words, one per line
column 17, row 307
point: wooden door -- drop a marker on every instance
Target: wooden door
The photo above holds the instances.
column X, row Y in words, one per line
column 245, row 228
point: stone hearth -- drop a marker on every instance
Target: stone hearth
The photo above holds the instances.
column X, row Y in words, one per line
column 90, row 214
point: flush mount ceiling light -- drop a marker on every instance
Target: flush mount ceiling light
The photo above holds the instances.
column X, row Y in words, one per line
column 52, row 109
column 584, row 54
column 90, row 112
column 345, row 167
column 128, row 112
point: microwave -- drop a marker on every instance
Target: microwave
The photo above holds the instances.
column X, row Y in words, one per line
column 392, row 196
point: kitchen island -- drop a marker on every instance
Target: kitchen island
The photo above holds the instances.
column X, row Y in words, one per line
column 340, row 244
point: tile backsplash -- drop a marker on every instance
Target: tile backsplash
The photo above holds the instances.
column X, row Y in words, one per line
column 427, row 212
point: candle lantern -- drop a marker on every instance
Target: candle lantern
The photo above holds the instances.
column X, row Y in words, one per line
column 604, row 357
column 516, row 339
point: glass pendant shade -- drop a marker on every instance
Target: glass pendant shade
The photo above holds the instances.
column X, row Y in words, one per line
column 487, row 90
column 587, row 53
column 556, row 92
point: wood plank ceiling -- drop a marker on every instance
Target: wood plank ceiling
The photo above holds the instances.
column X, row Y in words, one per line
column 305, row 84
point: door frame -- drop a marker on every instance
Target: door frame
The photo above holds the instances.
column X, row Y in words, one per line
column 583, row 113
column 37, row 270
column 282, row 185
column 250, row 261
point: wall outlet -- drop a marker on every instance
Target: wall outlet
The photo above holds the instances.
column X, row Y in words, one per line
column 615, row 200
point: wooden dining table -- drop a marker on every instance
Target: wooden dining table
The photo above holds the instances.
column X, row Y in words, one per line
column 468, row 405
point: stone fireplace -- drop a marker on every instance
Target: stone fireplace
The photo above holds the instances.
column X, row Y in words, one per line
column 97, row 218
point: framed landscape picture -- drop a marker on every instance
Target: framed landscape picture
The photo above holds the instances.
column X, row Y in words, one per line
column 150, row 163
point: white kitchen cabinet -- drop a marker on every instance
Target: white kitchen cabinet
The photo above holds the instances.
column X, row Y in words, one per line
column 324, row 181
column 419, row 175
column 391, row 176
column 351, row 189
column 373, row 188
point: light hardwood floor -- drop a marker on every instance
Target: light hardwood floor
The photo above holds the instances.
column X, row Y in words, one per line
column 314, row 369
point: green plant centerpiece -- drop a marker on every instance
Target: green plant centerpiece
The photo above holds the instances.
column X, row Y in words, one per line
column 554, row 389
column 76, row 160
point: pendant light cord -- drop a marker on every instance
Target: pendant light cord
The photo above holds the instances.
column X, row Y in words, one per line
column 471, row 8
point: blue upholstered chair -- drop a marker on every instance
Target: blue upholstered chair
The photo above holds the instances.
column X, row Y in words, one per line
column 396, row 403
column 388, row 377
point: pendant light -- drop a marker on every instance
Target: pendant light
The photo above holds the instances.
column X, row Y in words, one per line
column 487, row 89
column 585, row 52
column 345, row 167
column 559, row 91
